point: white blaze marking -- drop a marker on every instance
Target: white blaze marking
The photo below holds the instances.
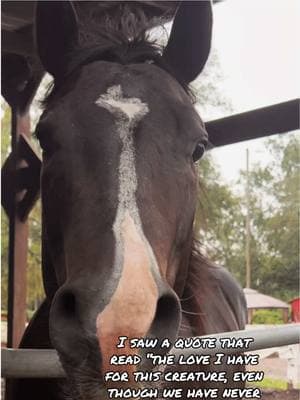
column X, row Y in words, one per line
column 128, row 112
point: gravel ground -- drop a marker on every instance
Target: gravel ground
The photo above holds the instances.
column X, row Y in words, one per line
column 276, row 368
column 273, row 368
column 281, row 395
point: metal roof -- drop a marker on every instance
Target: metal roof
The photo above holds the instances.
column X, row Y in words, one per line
column 257, row 300
column 17, row 19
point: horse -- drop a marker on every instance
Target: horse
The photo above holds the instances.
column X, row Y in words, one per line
column 120, row 139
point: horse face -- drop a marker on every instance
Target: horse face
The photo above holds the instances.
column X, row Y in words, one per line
column 118, row 195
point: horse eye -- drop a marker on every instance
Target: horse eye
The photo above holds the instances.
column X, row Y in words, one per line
column 198, row 152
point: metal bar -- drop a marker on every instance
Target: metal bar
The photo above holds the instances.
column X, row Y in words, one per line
column 33, row 363
column 262, row 339
column 266, row 121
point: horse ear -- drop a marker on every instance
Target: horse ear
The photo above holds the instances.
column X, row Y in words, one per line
column 56, row 34
column 190, row 39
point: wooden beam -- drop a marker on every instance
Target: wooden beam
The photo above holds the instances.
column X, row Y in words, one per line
column 266, row 121
column 17, row 14
column 17, row 42
column 18, row 237
column 27, row 179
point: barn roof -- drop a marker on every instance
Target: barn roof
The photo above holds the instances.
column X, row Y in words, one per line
column 17, row 20
column 257, row 300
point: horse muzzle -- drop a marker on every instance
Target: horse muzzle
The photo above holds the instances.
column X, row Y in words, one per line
column 142, row 304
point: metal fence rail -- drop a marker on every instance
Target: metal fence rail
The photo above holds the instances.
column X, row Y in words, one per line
column 36, row 363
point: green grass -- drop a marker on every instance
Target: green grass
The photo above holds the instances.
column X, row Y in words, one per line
column 272, row 383
column 267, row 317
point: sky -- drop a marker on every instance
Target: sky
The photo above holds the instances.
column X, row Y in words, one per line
column 259, row 59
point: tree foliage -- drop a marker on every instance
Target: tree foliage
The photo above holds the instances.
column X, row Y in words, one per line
column 275, row 219
column 269, row 317
column 219, row 220
column 5, row 149
column 274, row 207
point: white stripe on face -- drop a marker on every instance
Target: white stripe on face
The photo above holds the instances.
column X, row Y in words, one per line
column 128, row 112
column 132, row 307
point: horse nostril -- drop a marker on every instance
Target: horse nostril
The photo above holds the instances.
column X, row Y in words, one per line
column 67, row 304
column 66, row 327
column 167, row 317
column 167, row 308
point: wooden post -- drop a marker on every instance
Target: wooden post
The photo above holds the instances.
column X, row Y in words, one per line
column 285, row 315
column 18, row 238
column 250, row 315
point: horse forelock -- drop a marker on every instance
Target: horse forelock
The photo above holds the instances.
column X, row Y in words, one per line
column 120, row 23
column 119, row 36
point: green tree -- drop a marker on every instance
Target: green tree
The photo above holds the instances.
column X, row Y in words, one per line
column 219, row 221
column 275, row 219
column 5, row 149
column 274, row 207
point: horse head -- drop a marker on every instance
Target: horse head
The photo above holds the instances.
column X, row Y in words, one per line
column 120, row 139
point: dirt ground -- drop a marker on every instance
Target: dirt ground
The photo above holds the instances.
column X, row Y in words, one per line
column 273, row 367
column 281, row 395
column 276, row 368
